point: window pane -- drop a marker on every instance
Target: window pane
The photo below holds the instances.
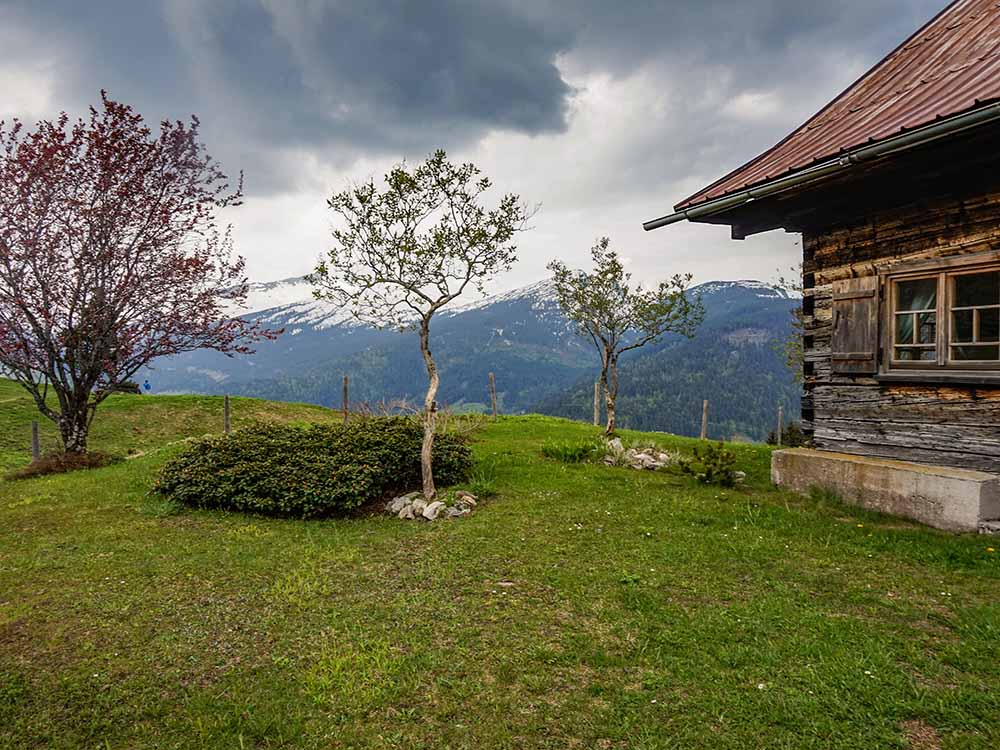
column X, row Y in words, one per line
column 927, row 331
column 913, row 353
column 920, row 294
column 967, row 353
column 961, row 325
column 989, row 325
column 904, row 329
column 977, row 289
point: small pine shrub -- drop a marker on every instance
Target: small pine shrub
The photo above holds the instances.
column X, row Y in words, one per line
column 570, row 452
column 791, row 436
column 58, row 463
column 712, row 464
column 320, row 470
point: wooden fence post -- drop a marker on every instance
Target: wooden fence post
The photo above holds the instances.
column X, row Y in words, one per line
column 227, row 424
column 704, row 419
column 347, row 399
column 781, row 422
column 597, row 403
column 36, row 444
column 493, row 395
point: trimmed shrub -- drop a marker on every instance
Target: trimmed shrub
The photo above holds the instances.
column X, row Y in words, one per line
column 318, row 470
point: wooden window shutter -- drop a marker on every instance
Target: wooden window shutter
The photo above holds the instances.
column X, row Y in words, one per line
column 854, row 343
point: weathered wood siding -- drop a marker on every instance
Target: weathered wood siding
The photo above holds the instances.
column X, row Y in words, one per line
column 948, row 425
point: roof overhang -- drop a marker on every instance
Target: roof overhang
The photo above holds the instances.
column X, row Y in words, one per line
column 712, row 210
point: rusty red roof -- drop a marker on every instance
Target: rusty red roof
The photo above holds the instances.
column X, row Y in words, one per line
column 950, row 66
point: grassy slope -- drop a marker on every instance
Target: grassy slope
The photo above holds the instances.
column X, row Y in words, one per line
column 136, row 424
column 586, row 606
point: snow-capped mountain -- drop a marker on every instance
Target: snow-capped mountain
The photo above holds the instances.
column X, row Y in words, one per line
column 520, row 335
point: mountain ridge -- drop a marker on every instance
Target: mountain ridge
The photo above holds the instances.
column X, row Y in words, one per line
column 521, row 335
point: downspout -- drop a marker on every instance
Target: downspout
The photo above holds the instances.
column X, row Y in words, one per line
column 914, row 138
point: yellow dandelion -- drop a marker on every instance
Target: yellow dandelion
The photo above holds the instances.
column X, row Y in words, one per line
column 861, row 525
column 990, row 549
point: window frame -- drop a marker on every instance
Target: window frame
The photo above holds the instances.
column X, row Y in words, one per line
column 944, row 270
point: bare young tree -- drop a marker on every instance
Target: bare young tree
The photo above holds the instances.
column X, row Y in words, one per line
column 618, row 318
column 407, row 249
column 790, row 348
column 110, row 256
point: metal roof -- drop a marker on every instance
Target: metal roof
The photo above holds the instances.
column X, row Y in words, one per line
column 950, row 66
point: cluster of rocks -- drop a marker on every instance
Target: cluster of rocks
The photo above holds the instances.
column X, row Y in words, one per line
column 413, row 507
column 651, row 458
column 989, row 527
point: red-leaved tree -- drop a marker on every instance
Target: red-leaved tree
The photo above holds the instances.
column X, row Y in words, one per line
column 110, row 256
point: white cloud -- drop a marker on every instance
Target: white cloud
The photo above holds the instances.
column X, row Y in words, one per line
column 754, row 106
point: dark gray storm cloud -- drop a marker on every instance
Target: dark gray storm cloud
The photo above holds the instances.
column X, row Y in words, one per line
column 604, row 111
column 342, row 79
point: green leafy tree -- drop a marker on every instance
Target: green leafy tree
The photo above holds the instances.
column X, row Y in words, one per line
column 406, row 249
column 617, row 317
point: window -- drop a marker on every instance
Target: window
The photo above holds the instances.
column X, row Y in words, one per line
column 948, row 317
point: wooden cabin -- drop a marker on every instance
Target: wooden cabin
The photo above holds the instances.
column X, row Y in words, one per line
column 895, row 188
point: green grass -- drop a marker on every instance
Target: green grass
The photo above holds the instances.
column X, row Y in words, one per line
column 583, row 607
column 128, row 425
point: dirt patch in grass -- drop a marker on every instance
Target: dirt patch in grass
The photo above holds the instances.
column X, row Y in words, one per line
column 921, row 736
column 59, row 463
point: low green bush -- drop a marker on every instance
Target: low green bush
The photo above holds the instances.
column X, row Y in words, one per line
column 319, row 470
column 712, row 464
column 571, row 452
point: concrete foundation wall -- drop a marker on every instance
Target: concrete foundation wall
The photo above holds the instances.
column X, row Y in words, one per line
column 947, row 498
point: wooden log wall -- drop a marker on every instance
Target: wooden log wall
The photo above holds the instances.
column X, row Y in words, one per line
column 950, row 425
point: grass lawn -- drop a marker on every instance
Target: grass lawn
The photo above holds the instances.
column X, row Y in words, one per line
column 583, row 607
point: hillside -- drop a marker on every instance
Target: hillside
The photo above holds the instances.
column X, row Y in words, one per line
column 521, row 336
column 582, row 606
column 128, row 425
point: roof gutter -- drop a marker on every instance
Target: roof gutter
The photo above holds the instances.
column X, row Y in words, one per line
column 912, row 139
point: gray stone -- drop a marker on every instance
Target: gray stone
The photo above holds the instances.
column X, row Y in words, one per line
column 953, row 499
column 467, row 497
column 989, row 527
column 739, row 476
column 431, row 511
column 397, row 504
column 406, row 513
column 615, row 444
column 419, row 504
column 456, row 512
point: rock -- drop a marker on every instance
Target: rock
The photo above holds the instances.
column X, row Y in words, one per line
column 406, row 513
column 467, row 497
column 989, row 527
column 431, row 511
column 615, row 444
column 456, row 512
column 418, row 505
column 663, row 458
column 397, row 504
column 739, row 476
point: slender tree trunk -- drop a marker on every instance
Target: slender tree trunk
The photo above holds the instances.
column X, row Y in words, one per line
column 611, row 394
column 430, row 411
column 74, row 426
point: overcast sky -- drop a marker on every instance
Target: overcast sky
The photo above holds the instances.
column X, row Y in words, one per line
column 605, row 113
